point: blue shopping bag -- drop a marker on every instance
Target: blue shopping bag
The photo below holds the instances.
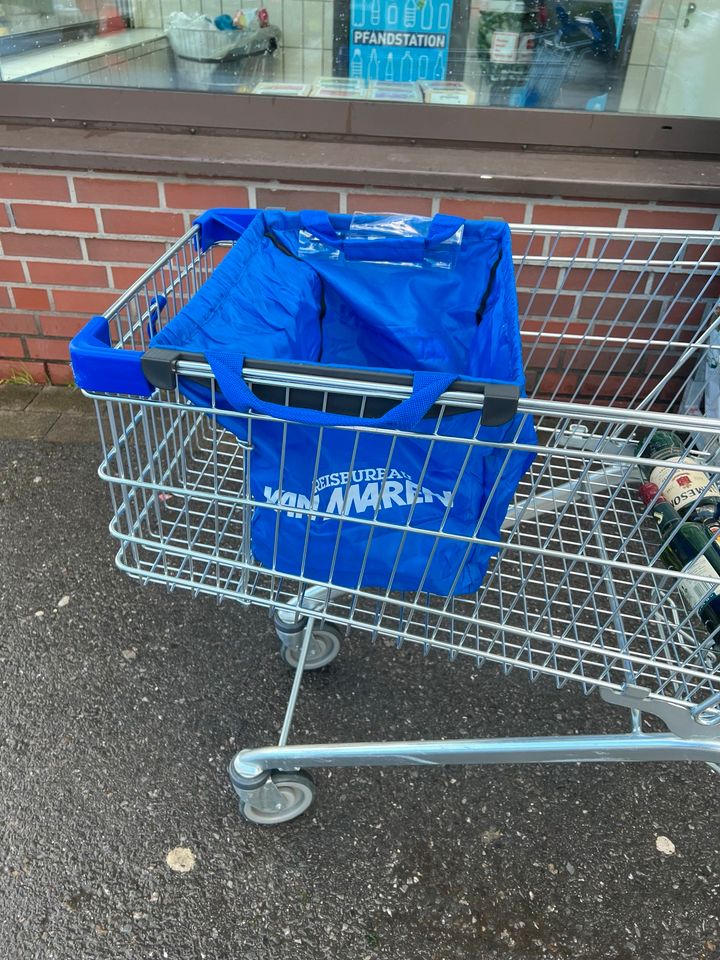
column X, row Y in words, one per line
column 368, row 507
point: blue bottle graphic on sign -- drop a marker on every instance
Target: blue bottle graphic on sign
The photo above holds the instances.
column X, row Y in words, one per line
column 356, row 64
column 444, row 16
column 359, row 15
column 389, row 67
column 409, row 13
column 375, row 12
column 373, row 66
column 438, row 72
column 423, row 64
column 426, row 20
column 391, row 15
column 406, row 66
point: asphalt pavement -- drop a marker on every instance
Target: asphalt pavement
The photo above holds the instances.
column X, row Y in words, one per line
column 122, row 704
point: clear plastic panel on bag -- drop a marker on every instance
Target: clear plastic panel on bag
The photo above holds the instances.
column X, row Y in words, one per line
column 384, row 227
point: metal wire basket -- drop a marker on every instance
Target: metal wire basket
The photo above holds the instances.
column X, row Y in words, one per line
column 614, row 322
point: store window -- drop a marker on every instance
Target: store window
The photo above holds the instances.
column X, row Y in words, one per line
column 610, row 56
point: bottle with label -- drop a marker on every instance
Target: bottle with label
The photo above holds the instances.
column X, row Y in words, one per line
column 688, row 489
column 688, row 551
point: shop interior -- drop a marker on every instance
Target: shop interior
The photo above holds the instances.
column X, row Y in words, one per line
column 636, row 56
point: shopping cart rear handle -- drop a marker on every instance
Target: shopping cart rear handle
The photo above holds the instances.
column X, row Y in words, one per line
column 98, row 367
column 499, row 400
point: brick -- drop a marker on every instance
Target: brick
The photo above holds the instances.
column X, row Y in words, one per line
column 575, row 215
column 670, row 219
column 599, row 388
column 484, row 209
column 545, row 304
column 660, row 365
column 68, row 274
column 11, row 271
column 570, row 248
column 11, row 347
column 556, row 383
column 47, row 349
column 604, row 281
column 35, row 216
column 31, row 298
column 537, row 277
column 132, row 193
column 11, row 369
column 681, row 314
column 17, row 323
column 708, row 253
column 377, row 203
column 619, row 309
column 124, row 251
column 203, row 196
column 553, row 329
column 527, row 245
column 643, row 251
column 143, row 223
column 4, row 297
column 124, row 277
column 4, row 221
column 544, row 355
column 684, row 285
column 82, row 301
column 624, row 331
column 30, row 186
column 61, row 374
column 597, row 358
column 62, row 326
column 51, row 248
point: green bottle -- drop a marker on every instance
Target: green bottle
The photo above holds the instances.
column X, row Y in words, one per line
column 688, row 490
column 686, row 551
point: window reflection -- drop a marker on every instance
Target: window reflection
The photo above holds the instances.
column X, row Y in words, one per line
column 645, row 56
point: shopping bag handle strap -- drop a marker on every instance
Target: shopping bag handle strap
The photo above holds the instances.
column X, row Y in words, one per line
column 427, row 388
column 411, row 249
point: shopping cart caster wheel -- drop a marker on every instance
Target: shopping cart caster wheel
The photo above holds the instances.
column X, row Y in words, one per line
column 294, row 793
column 324, row 645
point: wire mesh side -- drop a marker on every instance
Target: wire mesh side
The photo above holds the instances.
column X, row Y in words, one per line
column 578, row 592
column 615, row 317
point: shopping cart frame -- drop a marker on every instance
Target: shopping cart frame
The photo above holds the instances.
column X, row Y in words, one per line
column 270, row 781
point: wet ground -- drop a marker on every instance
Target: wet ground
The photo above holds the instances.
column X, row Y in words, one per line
column 121, row 706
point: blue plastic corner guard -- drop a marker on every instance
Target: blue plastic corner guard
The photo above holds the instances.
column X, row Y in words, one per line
column 222, row 224
column 99, row 368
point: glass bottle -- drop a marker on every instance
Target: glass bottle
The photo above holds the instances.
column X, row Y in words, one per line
column 688, row 488
column 687, row 550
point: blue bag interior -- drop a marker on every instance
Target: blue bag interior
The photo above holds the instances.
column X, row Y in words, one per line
column 301, row 287
column 267, row 300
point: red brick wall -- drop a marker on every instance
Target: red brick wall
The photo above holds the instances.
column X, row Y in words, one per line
column 70, row 243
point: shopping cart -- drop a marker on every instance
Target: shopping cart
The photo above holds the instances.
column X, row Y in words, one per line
column 614, row 322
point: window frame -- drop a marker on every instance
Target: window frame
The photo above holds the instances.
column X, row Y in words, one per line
column 358, row 120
